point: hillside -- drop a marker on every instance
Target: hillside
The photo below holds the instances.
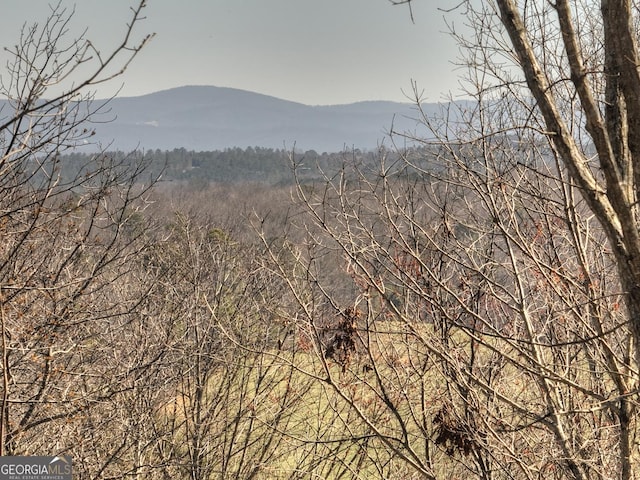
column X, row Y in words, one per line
column 213, row 118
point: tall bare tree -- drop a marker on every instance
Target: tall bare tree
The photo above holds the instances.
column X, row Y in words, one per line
column 491, row 327
column 64, row 307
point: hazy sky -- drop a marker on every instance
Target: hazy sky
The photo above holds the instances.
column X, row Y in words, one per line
column 310, row 51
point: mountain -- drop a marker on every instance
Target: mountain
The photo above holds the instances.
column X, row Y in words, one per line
column 214, row 118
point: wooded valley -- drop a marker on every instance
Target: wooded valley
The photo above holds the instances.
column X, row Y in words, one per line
column 462, row 302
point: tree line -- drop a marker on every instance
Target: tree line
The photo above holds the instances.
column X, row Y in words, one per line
column 232, row 165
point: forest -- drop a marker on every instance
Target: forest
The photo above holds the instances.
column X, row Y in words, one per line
column 230, row 166
column 463, row 302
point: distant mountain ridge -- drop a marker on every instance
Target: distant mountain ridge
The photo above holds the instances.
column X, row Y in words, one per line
column 215, row 118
